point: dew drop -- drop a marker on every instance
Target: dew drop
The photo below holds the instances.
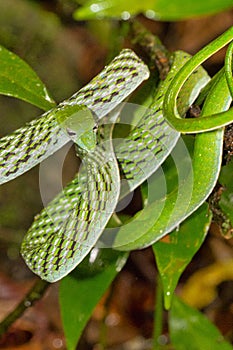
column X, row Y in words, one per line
column 162, row 339
column 57, row 343
column 27, row 303
column 125, row 15
column 95, row 7
column 112, row 319
column 150, row 14
column 93, row 255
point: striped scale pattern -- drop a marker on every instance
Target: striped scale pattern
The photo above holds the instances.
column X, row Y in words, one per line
column 52, row 254
column 139, row 155
column 152, row 140
column 53, row 251
column 113, row 84
column 29, row 145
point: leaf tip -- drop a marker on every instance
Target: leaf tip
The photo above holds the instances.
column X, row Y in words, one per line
column 167, row 300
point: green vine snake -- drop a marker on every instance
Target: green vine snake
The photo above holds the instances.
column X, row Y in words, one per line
column 65, row 231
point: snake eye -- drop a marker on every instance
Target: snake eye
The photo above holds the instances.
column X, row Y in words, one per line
column 70, row 132
column 95, row 128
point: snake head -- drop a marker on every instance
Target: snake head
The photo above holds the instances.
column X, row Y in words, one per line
column 79, row 124
column 86, row 141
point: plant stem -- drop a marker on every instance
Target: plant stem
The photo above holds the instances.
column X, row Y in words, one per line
column 158, row 319
column 228, row 67
column 158, row 55
column 214, row 120
column 35, row 293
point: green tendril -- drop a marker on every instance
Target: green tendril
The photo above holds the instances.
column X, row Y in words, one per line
column 206, row 123
column 228, row 68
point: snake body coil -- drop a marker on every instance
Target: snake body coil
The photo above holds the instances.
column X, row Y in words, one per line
column 66, row 230
column 31, row 144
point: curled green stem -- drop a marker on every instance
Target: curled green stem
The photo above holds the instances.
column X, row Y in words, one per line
column 196, row 125
column 228, row 68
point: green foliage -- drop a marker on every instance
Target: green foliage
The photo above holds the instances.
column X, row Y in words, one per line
column 81, row 290
column 39, row 37
column 189, row 329
column 161, row 9
column 172, row 256
column 229, row 67
column 17, row 79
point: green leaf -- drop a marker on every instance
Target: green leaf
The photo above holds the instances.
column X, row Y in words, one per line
column 81, row 290
column 189, row 329
column 156, row 9
column 225, row 204
column 17, row 79
column 225, row 177
column 113, row 8
column 180, row 9
column 174, row 253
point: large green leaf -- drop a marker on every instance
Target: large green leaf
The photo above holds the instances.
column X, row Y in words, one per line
column 190, row 174
column 174, row 254
column 189, row 329
column 156, row 9
column 81, row 290
column 180, row 9
column 17, row 79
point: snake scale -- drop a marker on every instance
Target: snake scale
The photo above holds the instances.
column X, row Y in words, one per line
column 66, row 230
column 40, row 138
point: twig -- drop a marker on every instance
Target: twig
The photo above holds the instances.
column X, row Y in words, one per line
column 152, row 46
column 158, row 320
column 35, row 293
